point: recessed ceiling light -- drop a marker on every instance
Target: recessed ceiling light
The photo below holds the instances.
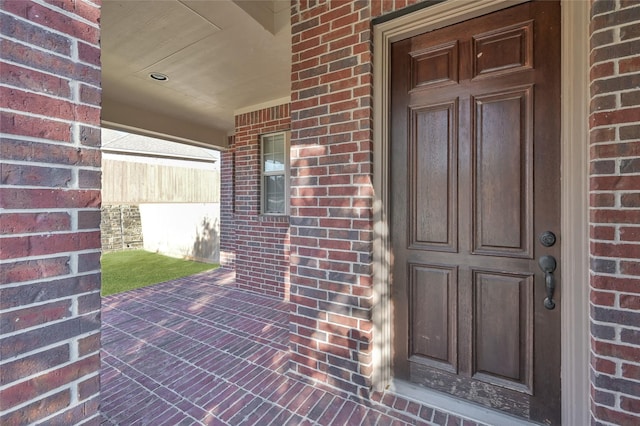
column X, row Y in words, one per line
column 158, row 76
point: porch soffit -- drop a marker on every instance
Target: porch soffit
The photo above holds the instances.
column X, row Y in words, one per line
column 219, row 55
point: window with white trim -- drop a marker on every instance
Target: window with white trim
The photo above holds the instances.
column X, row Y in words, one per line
column 274, row 162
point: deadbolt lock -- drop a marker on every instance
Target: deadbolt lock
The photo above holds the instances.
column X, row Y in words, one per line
column 547, row 238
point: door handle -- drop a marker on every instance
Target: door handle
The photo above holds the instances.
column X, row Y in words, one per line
column 548, row 265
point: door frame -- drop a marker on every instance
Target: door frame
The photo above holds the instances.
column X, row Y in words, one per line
column 574, row 197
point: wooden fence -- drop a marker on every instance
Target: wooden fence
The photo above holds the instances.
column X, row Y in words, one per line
column 127, row 182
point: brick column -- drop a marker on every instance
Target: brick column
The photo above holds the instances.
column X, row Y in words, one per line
column 615, row 211
column 332, row 191
column 49, row 212
column 227, row 206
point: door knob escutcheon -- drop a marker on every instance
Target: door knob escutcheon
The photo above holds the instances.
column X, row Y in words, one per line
column 548, row 265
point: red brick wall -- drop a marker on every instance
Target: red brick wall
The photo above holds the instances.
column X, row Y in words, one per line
column 261, row 241
column 615, row 211
column 50, row 219
column 332, row 193
column 227, row 206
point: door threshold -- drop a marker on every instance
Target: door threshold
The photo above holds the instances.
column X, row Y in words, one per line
column 456, row 406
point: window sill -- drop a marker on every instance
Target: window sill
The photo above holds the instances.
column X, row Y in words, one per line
column 274, row 217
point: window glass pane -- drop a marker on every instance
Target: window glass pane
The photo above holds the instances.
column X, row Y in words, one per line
column 267, row 145
column 273, row 144
column 273, row 153
column 274, row 162
column 274, row 194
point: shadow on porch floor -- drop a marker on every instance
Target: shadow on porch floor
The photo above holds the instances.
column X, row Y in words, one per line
column 197, row 350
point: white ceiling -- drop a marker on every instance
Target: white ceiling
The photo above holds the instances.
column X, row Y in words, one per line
column 220, row 56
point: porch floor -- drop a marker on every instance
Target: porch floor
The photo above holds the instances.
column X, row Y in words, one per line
column 199, row 351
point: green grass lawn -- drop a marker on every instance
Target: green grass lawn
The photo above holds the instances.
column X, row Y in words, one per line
column 127, row 270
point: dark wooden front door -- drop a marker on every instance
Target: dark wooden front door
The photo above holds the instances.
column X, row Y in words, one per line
column 475, row 181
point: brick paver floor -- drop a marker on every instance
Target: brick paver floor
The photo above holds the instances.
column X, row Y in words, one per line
column 199, row 351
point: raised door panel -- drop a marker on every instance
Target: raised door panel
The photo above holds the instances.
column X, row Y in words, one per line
column 432, row 316
column 504, row 50
column 435, row 66
column 433, row 185
column 503, row 193
column 503, row 335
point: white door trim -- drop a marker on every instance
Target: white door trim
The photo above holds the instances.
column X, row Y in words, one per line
column 574, row 191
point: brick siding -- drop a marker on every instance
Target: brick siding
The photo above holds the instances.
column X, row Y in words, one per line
column 332, row 192
column 261, row 241
column 227, row 206
column 50, row 220
column 615, row 211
